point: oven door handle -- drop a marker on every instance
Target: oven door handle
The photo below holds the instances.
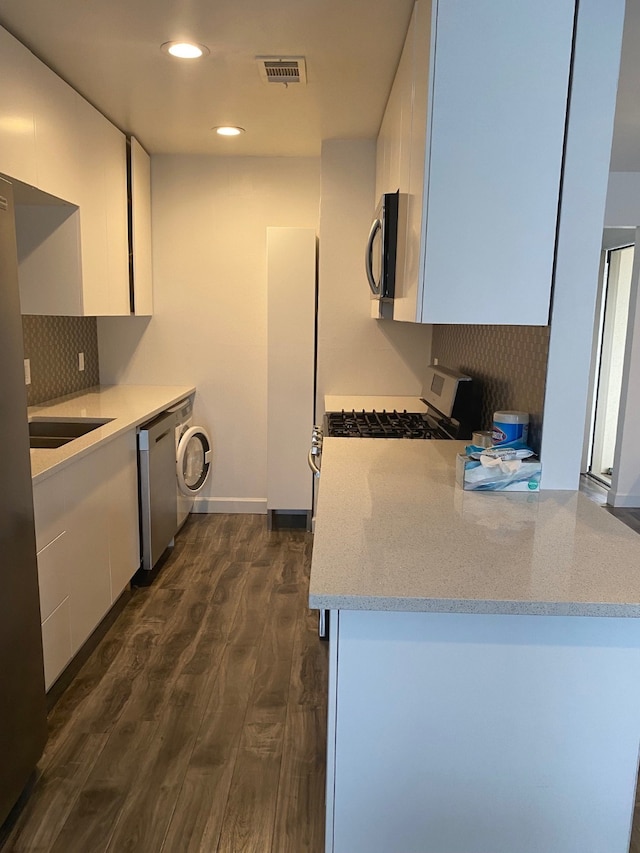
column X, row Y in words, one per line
column 312, row 464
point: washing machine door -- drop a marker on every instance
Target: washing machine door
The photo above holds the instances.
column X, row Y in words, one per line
column 193, row 460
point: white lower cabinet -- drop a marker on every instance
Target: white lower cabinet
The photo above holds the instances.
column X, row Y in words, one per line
column 121, row 479
column 53, row 576
column 90, row 588
column 87, row 537
column 56, row 642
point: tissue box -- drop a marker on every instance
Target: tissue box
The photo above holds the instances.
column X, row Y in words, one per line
column 471, row 474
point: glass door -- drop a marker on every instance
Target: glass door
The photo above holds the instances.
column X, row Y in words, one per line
column 612, row 339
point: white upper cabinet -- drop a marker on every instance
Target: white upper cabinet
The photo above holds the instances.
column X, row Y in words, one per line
column 393, row 155
column 59, row 148
column 17, row 131
column 488, row 91
column 54, row 140
column 140, row 188
column 103, row 215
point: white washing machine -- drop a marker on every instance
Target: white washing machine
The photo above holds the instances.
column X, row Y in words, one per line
column 194, row 454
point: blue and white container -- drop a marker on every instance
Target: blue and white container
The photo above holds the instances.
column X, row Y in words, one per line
column 510, row 426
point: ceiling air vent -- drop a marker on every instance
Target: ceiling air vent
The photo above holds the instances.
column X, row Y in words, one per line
column 282, row 69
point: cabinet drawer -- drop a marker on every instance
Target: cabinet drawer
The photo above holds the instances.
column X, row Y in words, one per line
column 56, row 642
column 53, row 578
column 48, row 510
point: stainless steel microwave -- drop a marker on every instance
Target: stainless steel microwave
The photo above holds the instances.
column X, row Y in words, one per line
column 382, row 248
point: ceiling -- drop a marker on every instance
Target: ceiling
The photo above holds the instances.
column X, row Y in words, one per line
column 109, row 50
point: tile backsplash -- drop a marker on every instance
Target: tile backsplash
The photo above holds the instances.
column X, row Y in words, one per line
column 508, row 362
column 52, row 345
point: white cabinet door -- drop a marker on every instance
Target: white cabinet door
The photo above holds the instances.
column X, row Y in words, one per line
column 141, row 229
column 53, row 575
column 121, row 459
column 117, row 215
column 498, row 108
column 59, row 148
column 53, row 139
column 88, row 544
column 103, row 215
column 56, row 643
column 17, row 130
column 291, row 294
column 49, row 508
column 394, row 139
column 488, row 89
column 419, row 47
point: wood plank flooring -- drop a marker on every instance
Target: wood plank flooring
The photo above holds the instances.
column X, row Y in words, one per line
column 199, row 722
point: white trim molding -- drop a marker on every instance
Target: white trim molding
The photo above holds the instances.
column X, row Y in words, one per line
column 237, row 506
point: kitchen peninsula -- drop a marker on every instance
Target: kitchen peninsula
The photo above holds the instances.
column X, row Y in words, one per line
column 484, row 688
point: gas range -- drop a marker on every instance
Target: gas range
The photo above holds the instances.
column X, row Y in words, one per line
column 448, row 409
column 384, row 424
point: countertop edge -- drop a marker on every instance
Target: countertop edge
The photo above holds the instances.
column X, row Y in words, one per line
column 394, row 532
column 62, row 457
column 471, row 606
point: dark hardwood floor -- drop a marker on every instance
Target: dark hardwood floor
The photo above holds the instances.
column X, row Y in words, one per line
column 199, row 722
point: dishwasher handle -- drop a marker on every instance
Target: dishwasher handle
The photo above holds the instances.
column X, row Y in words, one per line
column 163, row 435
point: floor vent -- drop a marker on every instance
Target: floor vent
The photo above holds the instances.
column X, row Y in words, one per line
column 282, row 69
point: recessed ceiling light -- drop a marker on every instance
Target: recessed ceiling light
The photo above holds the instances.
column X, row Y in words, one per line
column 185, row 49
column 229, row 130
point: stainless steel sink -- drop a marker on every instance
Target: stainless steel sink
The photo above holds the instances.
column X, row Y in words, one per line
column 55, row 433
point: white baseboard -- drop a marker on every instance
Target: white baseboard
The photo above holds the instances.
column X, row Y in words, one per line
column 631, row 501
column 257, row 506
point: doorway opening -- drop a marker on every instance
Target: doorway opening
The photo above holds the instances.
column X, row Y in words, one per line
column 611, row 339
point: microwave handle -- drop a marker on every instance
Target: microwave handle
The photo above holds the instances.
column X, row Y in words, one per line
column 376, row 286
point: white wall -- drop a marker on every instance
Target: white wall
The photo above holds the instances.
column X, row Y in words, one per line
column 210, row 217
column 623, row 200
column 356, row 354
column 625, row 483
column 587, row 153
column 623, row 211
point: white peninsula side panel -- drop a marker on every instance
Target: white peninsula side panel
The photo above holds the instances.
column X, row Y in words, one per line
column 476, row 733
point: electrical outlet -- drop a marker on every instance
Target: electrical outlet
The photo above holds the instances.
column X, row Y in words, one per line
column 80, row 361
column 27, row 371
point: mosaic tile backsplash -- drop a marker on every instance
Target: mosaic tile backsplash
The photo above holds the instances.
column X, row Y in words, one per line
column 52, row 345
column 508, row 362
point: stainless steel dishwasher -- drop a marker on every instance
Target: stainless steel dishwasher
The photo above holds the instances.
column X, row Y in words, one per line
column 158, row 493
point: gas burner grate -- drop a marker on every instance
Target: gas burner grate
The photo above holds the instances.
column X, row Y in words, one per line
column 380, row 425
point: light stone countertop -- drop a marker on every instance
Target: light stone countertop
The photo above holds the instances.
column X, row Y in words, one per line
column 127, row 405
column 394, row 532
